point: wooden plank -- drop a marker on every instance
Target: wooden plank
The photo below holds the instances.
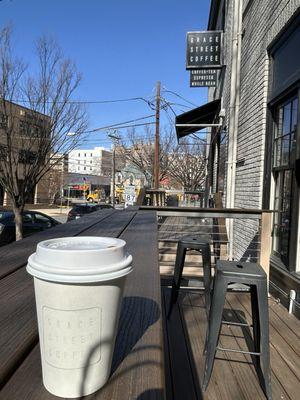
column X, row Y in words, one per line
column 241, row 211
column 139, row 347
column 240, row 365
column 112, row 226
column 278, row 390
column 288, row 320
column 243, row 341
column 18, row 329
column 167, row 361
column 15, row 255
column 18, row 317
column 182, row 379
column 284, row 331
column 285, row 370
column 138, row 360
column 223, row 383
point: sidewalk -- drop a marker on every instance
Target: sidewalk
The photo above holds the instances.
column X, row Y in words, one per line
column 52, row 212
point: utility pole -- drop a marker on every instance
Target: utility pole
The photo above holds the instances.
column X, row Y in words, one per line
column 115, row 138
column 156, row 146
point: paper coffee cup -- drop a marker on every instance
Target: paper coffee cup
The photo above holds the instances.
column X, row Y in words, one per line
column 78, row 285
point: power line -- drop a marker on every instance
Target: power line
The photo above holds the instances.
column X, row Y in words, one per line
column 119, row 127
column 179, row 96
column 181, row 105
column 84, row 101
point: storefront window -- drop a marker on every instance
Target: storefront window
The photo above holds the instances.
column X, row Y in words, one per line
column 285, row 137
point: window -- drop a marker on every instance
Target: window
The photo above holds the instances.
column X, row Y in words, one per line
column 24, row 128
column 78, row 154
column 285, row 131
column 27, row 219
column 283, row 170
column 27, row 157
column 30, row 129
column 283, row 144
column 3, row 120
column 3, row 152
column 84, row 154
column 41, row 219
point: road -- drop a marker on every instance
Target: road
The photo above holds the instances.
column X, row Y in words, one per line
column 56, row 213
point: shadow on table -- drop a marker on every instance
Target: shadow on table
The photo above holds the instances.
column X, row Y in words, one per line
column 137, row 315
column 151, row 394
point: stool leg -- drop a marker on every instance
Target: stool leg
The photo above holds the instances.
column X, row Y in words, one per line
column 207, row 278
column 256, row 324
column 207, row 309
column 179, row 263
column 262, row 297
column 215, row 319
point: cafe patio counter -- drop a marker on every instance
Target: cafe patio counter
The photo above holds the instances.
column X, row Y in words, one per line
column 138, row 366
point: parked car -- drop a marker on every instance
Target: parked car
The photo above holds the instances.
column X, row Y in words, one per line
column 102, row 206
column 33, row 222
column 81, row 209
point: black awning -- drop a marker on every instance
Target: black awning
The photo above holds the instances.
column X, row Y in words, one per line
column 201, row 115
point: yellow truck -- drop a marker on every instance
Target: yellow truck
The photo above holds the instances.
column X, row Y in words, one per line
column 95, row 195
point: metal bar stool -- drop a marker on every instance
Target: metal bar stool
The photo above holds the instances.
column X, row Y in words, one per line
column 203, row 246
column 254, row 276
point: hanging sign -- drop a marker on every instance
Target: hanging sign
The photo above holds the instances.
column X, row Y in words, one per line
column 204, row 49
column 203, row 77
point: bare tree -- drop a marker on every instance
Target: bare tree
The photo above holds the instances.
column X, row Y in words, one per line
column 187, row 165
column 138, row 149
column 183, row 164
column 37, row 113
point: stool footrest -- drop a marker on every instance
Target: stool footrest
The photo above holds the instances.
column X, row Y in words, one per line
column 235, row 323
column 239, row 351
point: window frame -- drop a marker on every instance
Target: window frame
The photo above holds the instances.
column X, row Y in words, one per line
column 290, row 263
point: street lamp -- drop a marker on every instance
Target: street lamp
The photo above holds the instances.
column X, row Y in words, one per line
column 115, row 139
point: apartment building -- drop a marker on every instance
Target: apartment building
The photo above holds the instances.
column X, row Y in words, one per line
column 96, row 161
column 20, row 130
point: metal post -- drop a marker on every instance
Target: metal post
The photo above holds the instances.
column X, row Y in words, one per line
column 113, row 174
column 115, row 137
column 68, row 200
column 156, row 148
column 61, row 185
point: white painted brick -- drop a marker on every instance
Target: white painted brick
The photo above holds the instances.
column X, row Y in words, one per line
column 262, row 22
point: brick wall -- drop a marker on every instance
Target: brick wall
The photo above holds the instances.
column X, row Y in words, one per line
column 262, row 21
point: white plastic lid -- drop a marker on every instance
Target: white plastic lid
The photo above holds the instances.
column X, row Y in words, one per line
column 80, row 259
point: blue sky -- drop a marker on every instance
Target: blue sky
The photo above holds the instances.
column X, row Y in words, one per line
column 121, row 47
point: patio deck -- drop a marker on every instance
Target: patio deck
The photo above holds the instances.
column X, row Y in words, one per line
column 234, row 376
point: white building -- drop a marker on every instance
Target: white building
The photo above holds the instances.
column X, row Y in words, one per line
column 97, row 161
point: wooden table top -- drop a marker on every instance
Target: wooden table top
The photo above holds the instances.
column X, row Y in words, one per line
column 138, row 365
